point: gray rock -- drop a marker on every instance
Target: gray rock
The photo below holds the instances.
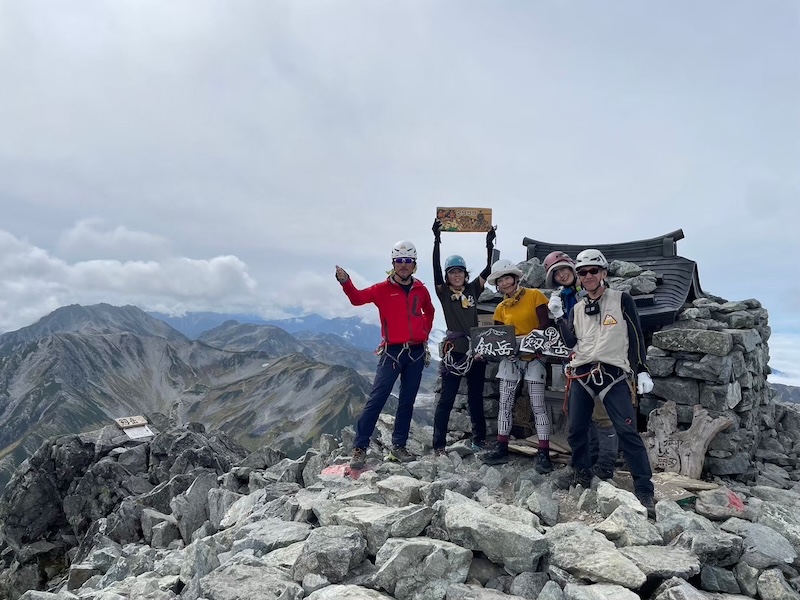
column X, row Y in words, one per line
column 151, row 518
column 191, row 507
column 219, row 501
column 622, row 268
column 672, row 520
column 783, row 519
column 627, row 527
column 609, row 498
column 710, row 368
column 517, row 546
column 584, row 553
column 164, row 534
column 237, row 581
column 460, row 591
column 378, row 523
column 715, row 579
column 533, row 273
column 747, row 578
column 642, row 284
column 712, row 547
column 661, row 366
column 313, row 582
column 692, row 340
column 677, row 389
column 663, row 562
column 541, row 503
column 399, row 490
column 598, row 591
column 720, row 504
column 200, row 558
column 420, row 568
column 515, row 513
column 265, row 536
column 529, row 585
column 763, row 547
column 346, row 592
column 720, row 398
column 772, row 585
column 551, row 591
column 735, row 465
column 331, row 552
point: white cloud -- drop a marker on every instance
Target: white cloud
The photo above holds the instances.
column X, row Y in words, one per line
column 33, row 283
column 784, row 350
column 91, row 238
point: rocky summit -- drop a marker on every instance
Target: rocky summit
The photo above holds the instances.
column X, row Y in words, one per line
column 191, row 514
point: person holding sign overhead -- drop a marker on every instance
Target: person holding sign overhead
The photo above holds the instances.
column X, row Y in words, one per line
column 525, row 309
column 459, row 298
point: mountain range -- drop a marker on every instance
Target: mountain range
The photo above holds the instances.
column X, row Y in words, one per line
column 82, row 366
column 351, row 329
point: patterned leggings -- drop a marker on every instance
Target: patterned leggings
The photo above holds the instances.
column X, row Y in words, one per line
column 536, row 393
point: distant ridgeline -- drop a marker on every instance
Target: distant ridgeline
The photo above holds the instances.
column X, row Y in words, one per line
column 80, row 367
column 358, row 334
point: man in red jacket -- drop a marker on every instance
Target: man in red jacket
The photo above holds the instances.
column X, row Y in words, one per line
column 406, row 313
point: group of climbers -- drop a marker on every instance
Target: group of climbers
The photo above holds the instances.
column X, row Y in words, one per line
column 600, row 324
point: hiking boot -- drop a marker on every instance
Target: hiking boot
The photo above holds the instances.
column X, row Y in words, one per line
column 478, row 445
column 602, row 473
column 647, row 500
column 542, row 463
column 437, row 452
column 400, row 454
column 359, row 459
column 582, row 477
column 497, row 456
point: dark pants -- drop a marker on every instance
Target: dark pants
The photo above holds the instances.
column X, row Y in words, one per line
column 450, row 384
column 620, row 410
column 394, row 362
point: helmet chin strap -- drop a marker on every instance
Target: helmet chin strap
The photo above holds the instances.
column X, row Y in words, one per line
column 597, row 291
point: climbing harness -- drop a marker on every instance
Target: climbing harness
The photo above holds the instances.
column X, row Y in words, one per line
column 597, row 377
column 456, row 366
column 383, row 351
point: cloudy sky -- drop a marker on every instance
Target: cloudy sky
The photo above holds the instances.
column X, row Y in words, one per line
column 195, row 155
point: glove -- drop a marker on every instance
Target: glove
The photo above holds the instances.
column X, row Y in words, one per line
column 644, row 385
column 341, row 274
column 490, row 235
column 555, row 307
column 437, row 229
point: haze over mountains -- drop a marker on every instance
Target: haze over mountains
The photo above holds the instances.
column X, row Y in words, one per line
column 80, row 367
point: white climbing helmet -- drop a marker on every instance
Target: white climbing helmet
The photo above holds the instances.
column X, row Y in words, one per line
column 501, row 268
column 591, row 258
column 404, row 249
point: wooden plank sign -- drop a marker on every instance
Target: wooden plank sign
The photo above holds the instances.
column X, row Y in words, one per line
column 547, row 342
column 126, row 422
column 493, row 343
column 463, row 219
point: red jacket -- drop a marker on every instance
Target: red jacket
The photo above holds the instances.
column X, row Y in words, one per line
column 404, row 317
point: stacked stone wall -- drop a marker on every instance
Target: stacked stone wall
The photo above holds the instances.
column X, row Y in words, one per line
column 716, row 354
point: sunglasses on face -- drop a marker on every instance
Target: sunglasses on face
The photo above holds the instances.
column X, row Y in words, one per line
column 404, row 261
column 585, row 272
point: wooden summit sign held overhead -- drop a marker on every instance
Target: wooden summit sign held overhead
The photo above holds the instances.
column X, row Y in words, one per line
column 462, row 219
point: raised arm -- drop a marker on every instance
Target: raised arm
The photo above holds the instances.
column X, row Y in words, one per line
column 438, row 277
column 490, row 235
column 357, row 297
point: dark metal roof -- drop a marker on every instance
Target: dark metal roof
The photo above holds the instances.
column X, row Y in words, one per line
column 677, row 282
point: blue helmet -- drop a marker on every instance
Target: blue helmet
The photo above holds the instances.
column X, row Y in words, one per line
column 454, row 262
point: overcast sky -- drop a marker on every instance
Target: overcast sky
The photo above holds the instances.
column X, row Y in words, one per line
column 226, row 155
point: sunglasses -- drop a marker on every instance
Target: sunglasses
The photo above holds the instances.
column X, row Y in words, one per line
column 404, row 261
column 585, row 272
